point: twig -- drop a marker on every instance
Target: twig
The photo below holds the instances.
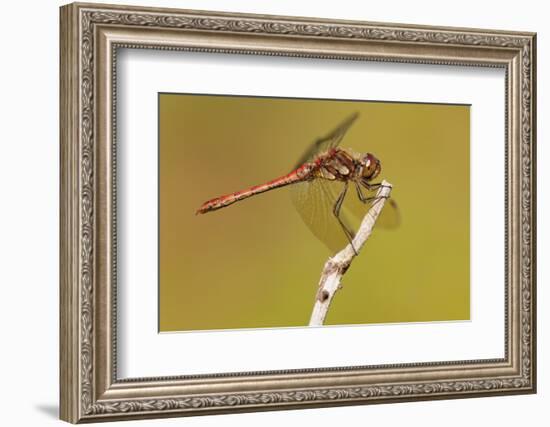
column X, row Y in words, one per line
column 337, row 265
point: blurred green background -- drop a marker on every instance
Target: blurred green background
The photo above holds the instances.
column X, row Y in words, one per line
column 255, row 264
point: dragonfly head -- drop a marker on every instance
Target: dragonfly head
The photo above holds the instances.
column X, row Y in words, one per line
column 371, row 166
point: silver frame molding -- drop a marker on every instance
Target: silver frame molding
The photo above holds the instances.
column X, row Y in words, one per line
column 90, row 37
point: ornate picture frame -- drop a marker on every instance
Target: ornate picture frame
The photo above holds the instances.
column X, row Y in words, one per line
column 90, row 388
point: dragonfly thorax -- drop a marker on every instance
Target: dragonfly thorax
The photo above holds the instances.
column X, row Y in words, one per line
column 344, row 165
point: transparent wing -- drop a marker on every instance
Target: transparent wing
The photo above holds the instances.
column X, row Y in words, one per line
column 314, row 200
column 327, row 142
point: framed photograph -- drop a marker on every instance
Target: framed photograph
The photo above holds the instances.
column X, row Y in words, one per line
column 266, row 212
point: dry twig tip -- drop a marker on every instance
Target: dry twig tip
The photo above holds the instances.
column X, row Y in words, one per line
column 336, row 266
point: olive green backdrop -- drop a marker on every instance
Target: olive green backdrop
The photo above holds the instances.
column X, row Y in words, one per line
column 255, row 264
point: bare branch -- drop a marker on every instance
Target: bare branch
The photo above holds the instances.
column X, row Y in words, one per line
column 336, row 266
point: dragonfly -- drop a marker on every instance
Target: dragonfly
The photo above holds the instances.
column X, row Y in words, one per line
column 319, row 185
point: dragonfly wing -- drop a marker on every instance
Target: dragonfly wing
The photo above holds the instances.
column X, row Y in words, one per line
column 327, row 142
column 314, row 200
column 390, row 217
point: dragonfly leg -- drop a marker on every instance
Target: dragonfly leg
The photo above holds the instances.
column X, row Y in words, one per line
column 365, row 199
column 393, row 219
column 336, row 211
column 374, row 186
column 360, row 193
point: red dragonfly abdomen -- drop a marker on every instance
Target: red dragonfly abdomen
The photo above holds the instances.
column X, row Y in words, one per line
column 304, row 172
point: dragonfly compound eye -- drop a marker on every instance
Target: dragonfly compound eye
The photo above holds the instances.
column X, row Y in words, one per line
column 371, row 166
